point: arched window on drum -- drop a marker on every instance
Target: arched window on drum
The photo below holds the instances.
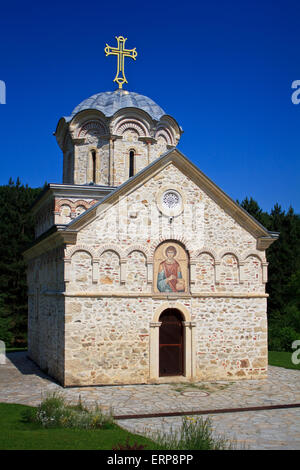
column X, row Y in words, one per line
column 131, row 163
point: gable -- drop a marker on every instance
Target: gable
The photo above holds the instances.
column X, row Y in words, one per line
column 134, row 216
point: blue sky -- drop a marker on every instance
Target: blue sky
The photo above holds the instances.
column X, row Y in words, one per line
column 222, row 69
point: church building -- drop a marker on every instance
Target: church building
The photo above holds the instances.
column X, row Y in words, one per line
column 143, row 270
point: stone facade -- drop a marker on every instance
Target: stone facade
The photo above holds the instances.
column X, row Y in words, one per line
column 94, row 315
column 46, row 312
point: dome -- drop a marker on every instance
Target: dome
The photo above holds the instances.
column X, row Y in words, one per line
column 110, row 102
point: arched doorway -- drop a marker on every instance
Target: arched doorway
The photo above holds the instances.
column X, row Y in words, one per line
column 171, row 344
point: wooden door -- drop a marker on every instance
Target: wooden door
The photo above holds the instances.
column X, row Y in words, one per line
column 170, row 343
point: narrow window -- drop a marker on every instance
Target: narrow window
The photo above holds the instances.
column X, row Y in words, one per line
column 131, row 163
column 94, row 165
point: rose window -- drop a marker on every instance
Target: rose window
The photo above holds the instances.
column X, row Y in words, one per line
column 171, row 199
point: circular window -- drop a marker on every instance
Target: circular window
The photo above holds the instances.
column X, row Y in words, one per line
column 171, row 199
column 170, row 202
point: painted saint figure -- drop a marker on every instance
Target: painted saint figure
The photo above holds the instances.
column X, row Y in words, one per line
column 169, row 277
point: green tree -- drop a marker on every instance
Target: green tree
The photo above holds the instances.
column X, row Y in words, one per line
column 284, row 273
column 252, row 207
column 16, row 233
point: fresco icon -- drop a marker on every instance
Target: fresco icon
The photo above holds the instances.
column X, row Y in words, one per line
column 170, row 269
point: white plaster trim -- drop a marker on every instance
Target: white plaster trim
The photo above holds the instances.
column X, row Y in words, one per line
column 149, row 272
column 265, row 272
column 126, row 294
column 123, row 270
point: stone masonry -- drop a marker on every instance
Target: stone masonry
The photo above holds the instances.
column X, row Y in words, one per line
column 94, row 317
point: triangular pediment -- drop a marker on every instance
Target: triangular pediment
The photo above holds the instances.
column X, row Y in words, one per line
column 184, row 165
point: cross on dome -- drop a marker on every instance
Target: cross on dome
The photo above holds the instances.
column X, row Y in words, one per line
column 121, row 53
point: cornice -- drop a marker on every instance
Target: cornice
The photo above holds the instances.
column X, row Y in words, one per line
column 146, row 139
column 264, row 242
column 126, row 294
column 53, row 240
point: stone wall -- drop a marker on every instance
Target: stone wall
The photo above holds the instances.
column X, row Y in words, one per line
column 45, row 277
column 231, row 337
column 121, row 150
column 108, row 339
column 83, row 173
column 109, row 294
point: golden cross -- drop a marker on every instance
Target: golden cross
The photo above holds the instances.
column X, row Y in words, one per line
column 121, row 52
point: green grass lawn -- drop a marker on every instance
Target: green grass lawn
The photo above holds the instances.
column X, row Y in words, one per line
column 282, row 359
column 14, row 434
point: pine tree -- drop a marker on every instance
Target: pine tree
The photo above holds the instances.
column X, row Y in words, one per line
column 284, row 273
column 16, row 233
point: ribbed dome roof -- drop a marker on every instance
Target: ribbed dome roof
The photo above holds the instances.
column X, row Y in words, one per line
column 111, row 101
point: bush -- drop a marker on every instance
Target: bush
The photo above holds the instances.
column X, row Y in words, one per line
column 281, row 338
column 55, row 412
column 292, row 317
column 194, row 434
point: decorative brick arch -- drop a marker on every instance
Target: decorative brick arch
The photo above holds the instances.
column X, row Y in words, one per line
column 111, row 247
column 139, row 248
column 91, row 127
column 133, row 124
column 63, row 202
column 187, row 245
column 70, row 251
column 82, row 203
column 263, row 264
column 248, row 253
column 208, row 251
column 166, row 134
column 229, row 251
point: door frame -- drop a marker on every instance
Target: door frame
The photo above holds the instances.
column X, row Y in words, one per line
column 182, row 346
column 189, row 359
